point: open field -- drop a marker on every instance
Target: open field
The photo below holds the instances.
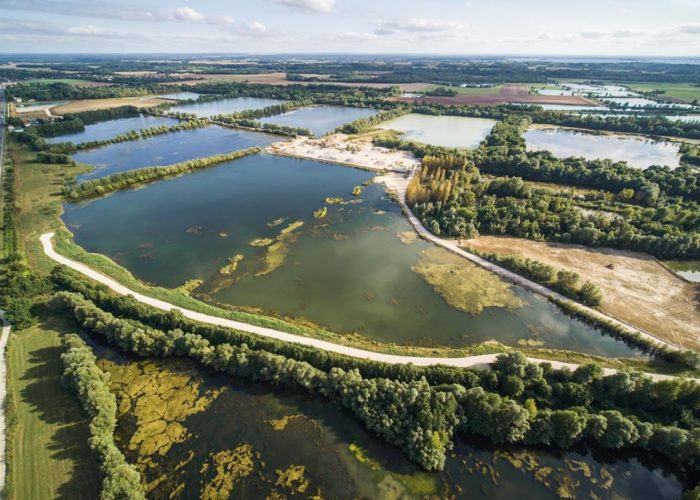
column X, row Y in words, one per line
column 90, row 104
column 683, row 91
column 281, row 79
column 49, row 454
column 475, row 91
column 70, row 81
column 516, row 94
column 637, row 289
column 340, row 148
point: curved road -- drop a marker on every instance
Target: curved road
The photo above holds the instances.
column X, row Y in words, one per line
column 466, row 362
column 398, row 184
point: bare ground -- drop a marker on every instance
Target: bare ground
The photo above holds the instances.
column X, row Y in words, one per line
column 638, row 290
column 340, row 148
column 90, row 104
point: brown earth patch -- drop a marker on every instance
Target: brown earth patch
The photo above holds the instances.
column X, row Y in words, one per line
column 515, row 94
column 90, row 104
column 281, row 79
column 636, row 288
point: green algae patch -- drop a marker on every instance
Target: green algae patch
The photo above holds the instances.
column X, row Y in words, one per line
column 407, row 237
column 224, row 470
column 357, row 191
column 158, row 400
column 293, row 478
column 276, row 222
column 464, row 285
column 320, row 213
column 261, row 242
column 277, row 252
column 232, row 265
column 189, row 286
column 361, row 456
column 281, row 423
column 333, row 200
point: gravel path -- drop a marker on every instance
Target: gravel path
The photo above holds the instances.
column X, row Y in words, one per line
column 465, row 362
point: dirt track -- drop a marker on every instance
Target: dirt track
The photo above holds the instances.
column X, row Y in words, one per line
column 637, row 290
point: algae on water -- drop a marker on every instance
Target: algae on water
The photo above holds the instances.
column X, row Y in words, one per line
column 462, row 284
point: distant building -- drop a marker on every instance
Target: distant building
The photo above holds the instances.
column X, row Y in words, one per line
column 17, row 99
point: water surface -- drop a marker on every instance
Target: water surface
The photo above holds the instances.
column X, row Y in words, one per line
column 111, row 128
column 689, row 269
column 167, row 149
column 272, row 430
column 180, row 96
column 638, row 152
column 349, row 272
column 225, row 106
column 447, row 131
column 320, row 119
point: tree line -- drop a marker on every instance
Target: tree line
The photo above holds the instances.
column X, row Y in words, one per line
column 90, row 384
column 640, row 396
column 362, row 125
column 565, row 282
column 421, row 418
column 121, row 180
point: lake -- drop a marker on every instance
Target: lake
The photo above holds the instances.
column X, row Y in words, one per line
column 269, row 441
column 447, row 131
column 111, row 128
column 319, row 119
column 180, row 96
column 689, row 270
column 632, row 102
column 638, row 152
column 359, row 269
column 225, row 106
column 167, row 149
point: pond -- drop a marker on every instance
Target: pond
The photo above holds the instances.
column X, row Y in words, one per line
column 167, row 149
column 632, row 102
column 689, row 269
column 447, row 131
column 235, row 439
column 320, row 119
column 225, row 106
column 585, row 89
column 180, row 96
column 111, row 128
column 638, row 152
column 237, row 228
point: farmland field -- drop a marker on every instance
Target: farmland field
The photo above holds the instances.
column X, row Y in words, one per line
column 684, row 91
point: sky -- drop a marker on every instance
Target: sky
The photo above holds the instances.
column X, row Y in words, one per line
column 474, row 27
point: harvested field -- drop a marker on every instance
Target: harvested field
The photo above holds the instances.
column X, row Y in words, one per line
column 515, row 94
column 281, row 79
column 90, row 104
column 636, row 288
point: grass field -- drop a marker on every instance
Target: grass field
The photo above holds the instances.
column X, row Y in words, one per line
column 48, row 452
column 683, row 91
column 69, row 81
column 476, row 91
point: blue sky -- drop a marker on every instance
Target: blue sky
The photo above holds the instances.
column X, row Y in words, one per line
column 594, row 27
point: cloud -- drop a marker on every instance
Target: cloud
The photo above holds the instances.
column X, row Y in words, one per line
column 420, row 25
column 186, row 14
column 322, row 6
column 688, row 29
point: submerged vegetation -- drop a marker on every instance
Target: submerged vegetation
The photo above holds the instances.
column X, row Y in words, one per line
column 536, row 405
column 464, row 285
column 91, row 385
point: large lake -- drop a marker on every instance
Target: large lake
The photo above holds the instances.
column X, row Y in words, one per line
column 167, row 149
column 225, row 106
column 638, row 152
column 319, row 119
column 359, row 269
column 269, row 431
column 447, row 131
column 106, row 130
